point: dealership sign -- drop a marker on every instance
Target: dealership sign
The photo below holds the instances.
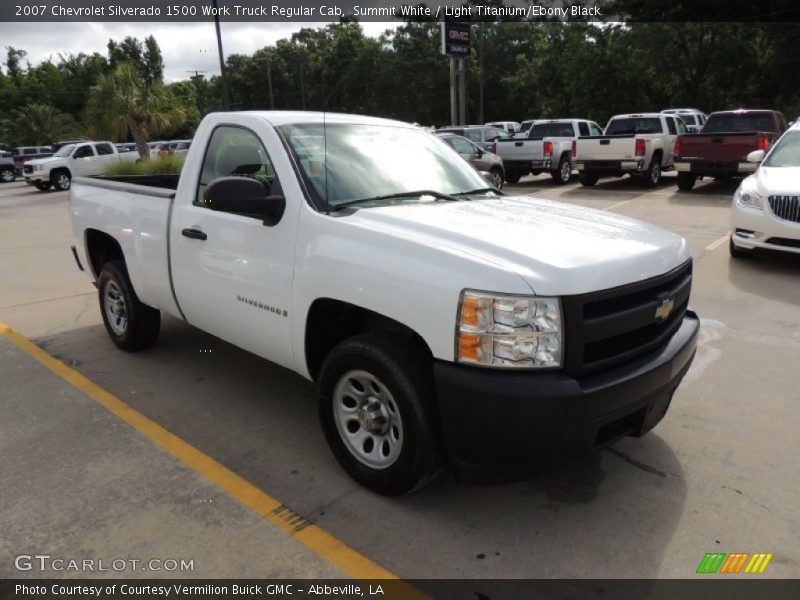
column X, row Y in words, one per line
column 455, row 39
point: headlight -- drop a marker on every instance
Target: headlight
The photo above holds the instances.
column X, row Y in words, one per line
column 748, row 199
column 508, row 331
column 38, row 167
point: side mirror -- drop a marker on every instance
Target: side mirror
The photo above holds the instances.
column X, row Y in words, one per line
column 244, row 196
column 756, row 156
column 487, row 177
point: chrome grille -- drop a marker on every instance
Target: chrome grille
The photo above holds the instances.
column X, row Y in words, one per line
column 785, row 207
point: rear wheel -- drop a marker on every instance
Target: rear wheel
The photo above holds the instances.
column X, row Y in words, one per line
column 652, row 176
column 7, row 175
column 588, row 178
column 686, row 181
column 61, row 180
column 497, row 178
column 564, row 172
column 377, row 410
column 130, row 324
column 513, row 176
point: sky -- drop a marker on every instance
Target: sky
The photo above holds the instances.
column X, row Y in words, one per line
column 184, row 46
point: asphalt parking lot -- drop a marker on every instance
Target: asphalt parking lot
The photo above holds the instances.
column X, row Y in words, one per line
column 719, row 474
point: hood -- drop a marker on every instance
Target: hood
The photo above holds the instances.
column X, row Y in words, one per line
column 559, row 249
column 776, row 180
column 43, row 161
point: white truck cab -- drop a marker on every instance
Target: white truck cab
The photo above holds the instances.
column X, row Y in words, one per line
column 440, row 319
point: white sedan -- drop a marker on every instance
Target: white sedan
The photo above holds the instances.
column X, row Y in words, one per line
column 766, row 207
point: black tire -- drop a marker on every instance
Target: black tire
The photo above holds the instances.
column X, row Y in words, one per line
column 738, row 252
column 497, row 177
column 587, row 178
column 42, row 186
column 143, row 323
column 513, row 176
column 652, row 177
column 686, row 181
column 403, row 368
column 61, row 180
column 564, row 171
column 7, row 175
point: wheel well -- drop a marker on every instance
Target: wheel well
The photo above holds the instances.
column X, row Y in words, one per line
column 101, row 248
column 658, row 154
column 332, row 321
column 59, row 169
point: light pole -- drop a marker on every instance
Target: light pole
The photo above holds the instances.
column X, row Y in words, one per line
column 226, row 104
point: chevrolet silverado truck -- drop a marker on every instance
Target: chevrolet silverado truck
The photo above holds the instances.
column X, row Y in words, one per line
column 639, row 145
column 720, row 149
column 81, row 159
column 439, row 318
column 547, row 146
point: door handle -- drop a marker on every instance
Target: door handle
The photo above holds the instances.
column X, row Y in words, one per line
column 194, row 234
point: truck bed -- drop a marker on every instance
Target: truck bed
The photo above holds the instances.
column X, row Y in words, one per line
column 718, row 147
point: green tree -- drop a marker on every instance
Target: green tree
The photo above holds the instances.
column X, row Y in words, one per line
column 38, row 124
column 123, row 102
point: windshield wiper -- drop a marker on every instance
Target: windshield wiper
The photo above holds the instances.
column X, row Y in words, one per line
column 415, row 194
column 479, row 191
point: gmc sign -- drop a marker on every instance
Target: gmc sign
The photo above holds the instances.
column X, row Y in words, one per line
column 455, row 39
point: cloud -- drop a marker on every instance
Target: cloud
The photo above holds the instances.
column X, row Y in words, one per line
column 186, row 47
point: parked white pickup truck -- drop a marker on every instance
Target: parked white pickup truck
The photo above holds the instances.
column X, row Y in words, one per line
column 640, row 145
column 547, row 146
column 438, row 317
column 73, row 160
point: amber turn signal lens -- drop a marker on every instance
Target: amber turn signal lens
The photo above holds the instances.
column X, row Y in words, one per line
column 468, row 344
column 469, row 312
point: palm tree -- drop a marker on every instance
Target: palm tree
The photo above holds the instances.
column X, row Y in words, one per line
column 123, row 102
column 38, row 124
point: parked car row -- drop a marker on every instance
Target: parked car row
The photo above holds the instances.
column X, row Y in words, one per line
column 81, row 159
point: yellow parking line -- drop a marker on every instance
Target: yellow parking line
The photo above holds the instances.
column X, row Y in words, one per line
column 319, row 541
column 618, row 204
column 717, row 243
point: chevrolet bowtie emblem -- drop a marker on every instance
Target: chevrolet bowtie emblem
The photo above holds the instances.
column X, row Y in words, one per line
column 664, row 309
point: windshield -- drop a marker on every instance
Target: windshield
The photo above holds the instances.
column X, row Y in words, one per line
column 786, row 152
column 357, row 162
column 634, row 125
column 65, row 150
column 739, row 123
column 552, row 130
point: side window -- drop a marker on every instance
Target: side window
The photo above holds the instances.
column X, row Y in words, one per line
column 595, row 129
column 104, row 149
column 235, row 151
column 462, row 146
column 681, row 126
column 29, row 151
column 583, row 129
column 473, row 134
column 671, row 125
column 83, row 152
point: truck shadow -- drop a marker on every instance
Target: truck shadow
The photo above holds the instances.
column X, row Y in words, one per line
column 260, row 421
column 766, row 273
column 706, row 193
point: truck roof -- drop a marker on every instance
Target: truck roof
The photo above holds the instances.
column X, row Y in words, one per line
column 296, row 117
column 744, row 111
column 645, row 115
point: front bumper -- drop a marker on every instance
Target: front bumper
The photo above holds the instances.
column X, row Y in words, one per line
column 754, row 229
column 499, row 425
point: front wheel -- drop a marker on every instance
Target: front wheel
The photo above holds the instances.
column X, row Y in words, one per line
column 61, row 181
column 130, row 324
column 377, row 410
column 42, row 186
column 564, row 172
column 497, row 178
column 7, row 175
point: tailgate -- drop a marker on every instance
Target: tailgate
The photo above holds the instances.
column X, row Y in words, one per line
column 716, row 147
column 606, row 148
column 520, row 150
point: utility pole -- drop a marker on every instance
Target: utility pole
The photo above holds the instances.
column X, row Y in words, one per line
column 226, row 102
column 269, row 82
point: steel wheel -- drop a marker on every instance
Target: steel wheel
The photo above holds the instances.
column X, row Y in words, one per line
column 62, row 181
column 7, row 175
column 367, row 419
column 116, row 311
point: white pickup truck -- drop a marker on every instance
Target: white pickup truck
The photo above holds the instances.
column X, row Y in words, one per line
column 73, row 160
column 547, row 146
column 439, row 318
column 640, row 145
